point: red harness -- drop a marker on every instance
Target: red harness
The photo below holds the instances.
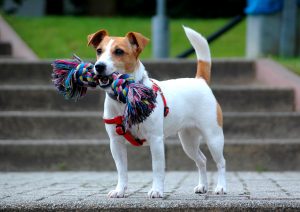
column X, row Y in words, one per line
column 118, row 121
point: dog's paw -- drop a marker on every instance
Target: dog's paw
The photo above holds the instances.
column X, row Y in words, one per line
column 220, row 190
column 200, row 189
column 153, row 193
column 116, row 194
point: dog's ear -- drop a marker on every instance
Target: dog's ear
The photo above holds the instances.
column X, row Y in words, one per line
column 138, row 41
column 95, row 38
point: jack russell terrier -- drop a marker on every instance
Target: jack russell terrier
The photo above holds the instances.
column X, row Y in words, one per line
column 194, row 113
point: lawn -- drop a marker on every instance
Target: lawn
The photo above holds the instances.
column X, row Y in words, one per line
column 60, row 37
column 291, row 63
column 57, row 37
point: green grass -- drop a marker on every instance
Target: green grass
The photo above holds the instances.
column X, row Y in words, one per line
column 60, row 37
column 291, row 63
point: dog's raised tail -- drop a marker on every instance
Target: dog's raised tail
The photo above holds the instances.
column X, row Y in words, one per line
column 201, row 47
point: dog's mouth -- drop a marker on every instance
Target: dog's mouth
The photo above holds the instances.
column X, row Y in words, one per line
column 105, row 81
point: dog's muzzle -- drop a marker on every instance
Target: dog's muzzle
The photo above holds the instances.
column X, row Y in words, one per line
column 103, row 79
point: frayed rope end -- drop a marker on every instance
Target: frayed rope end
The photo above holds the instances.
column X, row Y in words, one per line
column 72, row 77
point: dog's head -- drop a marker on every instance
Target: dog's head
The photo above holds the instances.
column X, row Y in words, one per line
column 116, row 54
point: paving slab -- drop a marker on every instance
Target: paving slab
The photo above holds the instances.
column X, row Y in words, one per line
column 81, row 191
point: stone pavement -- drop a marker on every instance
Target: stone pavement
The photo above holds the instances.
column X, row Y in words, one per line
column 48, row 191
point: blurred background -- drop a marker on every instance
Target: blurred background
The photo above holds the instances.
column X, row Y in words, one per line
column 64, row 24
column 255, row 46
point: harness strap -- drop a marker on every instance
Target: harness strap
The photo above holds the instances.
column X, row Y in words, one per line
column 118, row 121
column 120, row 130
column 156, row 89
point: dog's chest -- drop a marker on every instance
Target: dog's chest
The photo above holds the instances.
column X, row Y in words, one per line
column 139, row 131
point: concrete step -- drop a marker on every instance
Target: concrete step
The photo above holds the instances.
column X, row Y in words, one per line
column 46, row 97
column 254, row 99
column 231, row 98
column 223, row 71
column 51, row 124
column 89, row 125
column 89, row 154
column 5, row 49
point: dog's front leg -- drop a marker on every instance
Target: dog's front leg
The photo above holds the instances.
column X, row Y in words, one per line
column 119, row 153
column 158, row 167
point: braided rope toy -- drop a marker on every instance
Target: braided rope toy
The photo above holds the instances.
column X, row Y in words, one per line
column 73, row 77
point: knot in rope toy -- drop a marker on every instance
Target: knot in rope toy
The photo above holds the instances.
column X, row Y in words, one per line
column 72, row 78
column 120, row 86
column 139, row 99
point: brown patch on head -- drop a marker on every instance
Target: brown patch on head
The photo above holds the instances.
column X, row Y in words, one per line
column 124, row 51
column 123, row 55
column 203, row 70
column 219, row 115
column 137, row 41
column 102, row 46
column 96, row 38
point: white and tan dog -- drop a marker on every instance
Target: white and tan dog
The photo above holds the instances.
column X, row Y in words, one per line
column 195, row 114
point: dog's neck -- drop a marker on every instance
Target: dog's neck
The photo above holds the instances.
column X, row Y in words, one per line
column 140, row 75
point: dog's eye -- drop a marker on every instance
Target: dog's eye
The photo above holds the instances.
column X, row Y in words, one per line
column 119, row 52
column 99, row 51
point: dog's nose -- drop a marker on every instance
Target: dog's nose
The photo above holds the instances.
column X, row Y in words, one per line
column 100, row 67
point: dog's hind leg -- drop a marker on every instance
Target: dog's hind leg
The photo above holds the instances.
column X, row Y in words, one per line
column 190, row 140
column 215, row 142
